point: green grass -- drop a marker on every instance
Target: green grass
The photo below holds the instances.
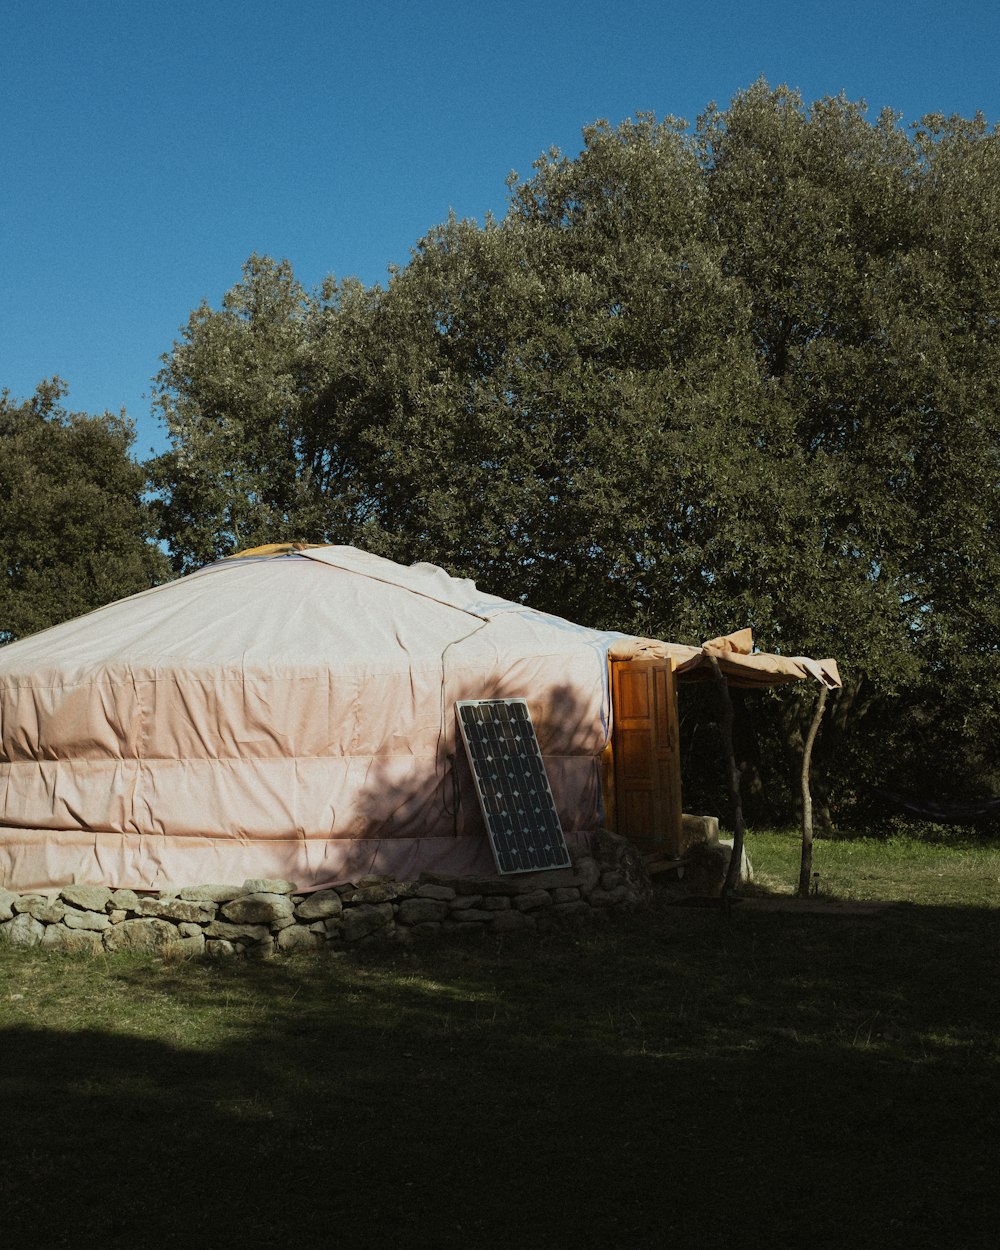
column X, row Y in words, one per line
column 680, row 1077
column 953, row 873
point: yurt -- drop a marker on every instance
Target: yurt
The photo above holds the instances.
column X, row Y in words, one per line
column 291, row 713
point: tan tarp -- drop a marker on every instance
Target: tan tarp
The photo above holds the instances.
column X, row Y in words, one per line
column 284, row 716
column 736, row 658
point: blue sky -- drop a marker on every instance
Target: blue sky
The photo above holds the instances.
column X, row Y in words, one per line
column 149, row 148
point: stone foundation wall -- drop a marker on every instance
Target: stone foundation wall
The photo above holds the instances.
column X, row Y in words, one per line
column 261, row 917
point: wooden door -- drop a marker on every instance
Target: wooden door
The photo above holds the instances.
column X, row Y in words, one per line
column 645, row 804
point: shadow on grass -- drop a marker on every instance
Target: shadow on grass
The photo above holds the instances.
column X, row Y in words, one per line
column 679, row 1079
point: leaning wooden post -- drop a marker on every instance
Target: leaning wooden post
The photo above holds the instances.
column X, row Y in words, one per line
column 732, row 776
column 805, row 864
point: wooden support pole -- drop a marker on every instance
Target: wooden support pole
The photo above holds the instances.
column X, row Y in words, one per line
column 732, row 775
column 805, row 863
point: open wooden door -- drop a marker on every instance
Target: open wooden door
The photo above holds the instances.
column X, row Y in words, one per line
column 642, row 776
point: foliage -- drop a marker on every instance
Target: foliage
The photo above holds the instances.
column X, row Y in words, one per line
column 75, row 531
column 695, row 378
column 870, row 257
column 259, row 398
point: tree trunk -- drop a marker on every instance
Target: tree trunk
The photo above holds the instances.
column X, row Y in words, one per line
column 732, row 775
column 805, row 864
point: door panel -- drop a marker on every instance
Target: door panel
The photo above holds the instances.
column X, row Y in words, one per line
column 645, row 757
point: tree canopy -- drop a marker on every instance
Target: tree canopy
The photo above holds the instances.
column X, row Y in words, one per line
column 74, row 529
column 743, row 372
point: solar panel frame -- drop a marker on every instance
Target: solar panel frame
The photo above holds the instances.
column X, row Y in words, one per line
column 512, row 786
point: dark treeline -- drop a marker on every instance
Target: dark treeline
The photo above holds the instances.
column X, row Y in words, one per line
column 742, row 373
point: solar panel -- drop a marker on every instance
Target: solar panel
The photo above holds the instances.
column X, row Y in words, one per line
column 513, row 787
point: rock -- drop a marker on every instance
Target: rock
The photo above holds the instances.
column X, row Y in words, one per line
column 86, row 897
column 140, row 935
column 7, row 898
column 611, row 880
column 297, row 939
column 260, row 907
column 320, row 905
column 550, row 879
column 620, row 854
column 608, row 898
column 122, row 900
column 495, row 903
column 334, row 926
column 473, row 885
column 189, row 929
column 24, row 902
column 178, row 909
column 698, row 829
column 268, row 885
column 443, row 893
column 49, row 911
column 488, row 886
column 479, row 915
column 212, row 893
column 426, row 928
column 464, row 901
column 71, row 941
column 192, row 946
column 578, row 909
column 219, row 949
column 537, row 898
column 283, row 923
column 318, row 926
column 236, row 932
column 511, row 922
column 584, row 875
column 366, row 919
column 439, row 878
column 609, row 847
column 23, row 930
column 383, row 892
column 117, row 915
column 93, row 920
column 707, row 866
column 460, row 929
column 263, row 949
column 565, row 895
column 414, row 911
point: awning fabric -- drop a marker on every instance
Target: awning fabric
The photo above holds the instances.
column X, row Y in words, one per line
column 740, row 664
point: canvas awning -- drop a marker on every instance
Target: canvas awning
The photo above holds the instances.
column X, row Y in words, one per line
column 740, row 664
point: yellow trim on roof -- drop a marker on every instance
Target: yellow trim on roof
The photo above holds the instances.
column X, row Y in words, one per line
column 272, row 549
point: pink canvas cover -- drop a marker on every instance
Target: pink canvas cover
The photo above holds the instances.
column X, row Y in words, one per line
column 287, row 716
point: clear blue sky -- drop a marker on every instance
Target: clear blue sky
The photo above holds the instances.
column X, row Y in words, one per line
column 148, row 148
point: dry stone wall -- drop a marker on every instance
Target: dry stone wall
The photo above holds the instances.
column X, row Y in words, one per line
column 262, row 917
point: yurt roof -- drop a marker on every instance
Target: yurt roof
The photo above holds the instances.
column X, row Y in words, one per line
column 334, row 607
column 290, row 607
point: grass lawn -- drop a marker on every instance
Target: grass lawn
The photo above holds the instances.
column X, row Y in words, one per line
column 679, row 1077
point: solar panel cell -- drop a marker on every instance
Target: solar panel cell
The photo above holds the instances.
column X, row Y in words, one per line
column 513, row 787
